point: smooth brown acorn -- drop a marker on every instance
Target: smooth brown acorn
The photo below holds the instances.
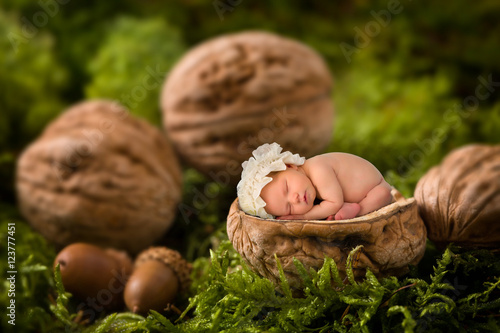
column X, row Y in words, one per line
column 94, row 275
column 159, row 275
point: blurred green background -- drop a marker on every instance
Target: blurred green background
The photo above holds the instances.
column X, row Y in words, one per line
column 406, row 73
column 412, row 79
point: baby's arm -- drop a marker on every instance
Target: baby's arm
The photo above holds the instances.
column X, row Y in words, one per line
column 328, row 190
column 322, row 210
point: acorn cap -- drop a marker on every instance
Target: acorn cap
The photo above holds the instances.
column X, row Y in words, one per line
column 172, row 259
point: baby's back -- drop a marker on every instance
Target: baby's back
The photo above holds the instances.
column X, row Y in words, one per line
column 355, row 175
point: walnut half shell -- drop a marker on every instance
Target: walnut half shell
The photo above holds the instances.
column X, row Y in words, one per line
column 392, row 237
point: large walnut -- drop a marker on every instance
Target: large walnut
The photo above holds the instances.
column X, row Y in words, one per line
column 233, row 93
column 459, row 200
column 99, row 175
column 392, row 237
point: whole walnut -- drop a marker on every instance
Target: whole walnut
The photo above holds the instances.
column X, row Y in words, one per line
column 459, row 200
column 99, row 175
column 233, row 93
column 392, row 238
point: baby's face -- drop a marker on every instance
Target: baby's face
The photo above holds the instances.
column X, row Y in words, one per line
column 289, row 193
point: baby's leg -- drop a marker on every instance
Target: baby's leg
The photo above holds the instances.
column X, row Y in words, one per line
column 376, row 198
column 347, row 211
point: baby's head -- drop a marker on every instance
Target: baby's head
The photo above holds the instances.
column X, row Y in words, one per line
column 264, row 182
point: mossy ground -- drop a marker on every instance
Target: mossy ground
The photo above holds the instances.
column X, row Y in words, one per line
column 426, row 82
column 451, row 290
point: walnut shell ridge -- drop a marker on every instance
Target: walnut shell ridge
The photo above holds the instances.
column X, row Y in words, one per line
column 233, row 93
column 392, row 237
column 99, row 175
column 459, row 200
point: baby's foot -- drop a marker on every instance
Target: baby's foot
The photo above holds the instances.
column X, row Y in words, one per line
column 348, row 211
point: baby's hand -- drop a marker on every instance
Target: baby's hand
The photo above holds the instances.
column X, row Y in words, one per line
column 291, row 217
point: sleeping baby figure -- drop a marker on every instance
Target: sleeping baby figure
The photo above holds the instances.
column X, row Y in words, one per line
column 283, row 185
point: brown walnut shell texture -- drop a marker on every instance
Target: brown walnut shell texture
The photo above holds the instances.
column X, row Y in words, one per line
column 233, row 93
column 459, row 200
column 99, row 175
column 392, row 237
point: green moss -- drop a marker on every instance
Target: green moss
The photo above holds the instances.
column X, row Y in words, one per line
column 395, row 104
column 33, row 274
column 445, row 292
column 231, row 298
column 132, row 63
column 31, row 80
column 406, row 125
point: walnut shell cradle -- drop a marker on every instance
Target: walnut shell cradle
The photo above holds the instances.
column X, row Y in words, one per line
column 392, row 237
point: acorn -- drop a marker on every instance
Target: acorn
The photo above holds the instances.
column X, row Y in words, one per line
column 159, row 275
column 95, row 275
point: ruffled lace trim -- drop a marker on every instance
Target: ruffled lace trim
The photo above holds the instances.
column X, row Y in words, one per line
column 266, row 159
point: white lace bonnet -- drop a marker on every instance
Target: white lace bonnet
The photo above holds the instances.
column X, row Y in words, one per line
column 266, row 159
